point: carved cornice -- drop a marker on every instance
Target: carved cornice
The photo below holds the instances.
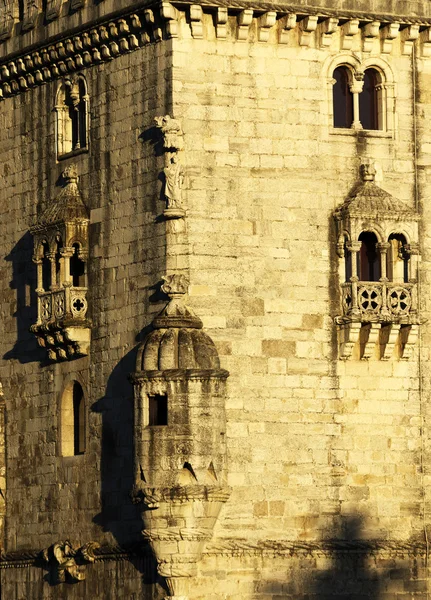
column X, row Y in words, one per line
column 238, row 547
column 31, row 557
column 153, row 496
column 101, row 43
column 179, row 374
column 148, row 22
column 378, row 548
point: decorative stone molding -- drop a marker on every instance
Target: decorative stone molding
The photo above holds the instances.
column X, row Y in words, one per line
column 389, row 34
column 370, row 33
column 265, row 22
column 380, row 314
column 68, row 564
column 408, row 36
column 61, row 250
column 329, row 27
column 180, row 468
column 173, row 171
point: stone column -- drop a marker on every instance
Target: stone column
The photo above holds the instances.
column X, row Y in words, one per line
column 354, row 248
column 356, row 88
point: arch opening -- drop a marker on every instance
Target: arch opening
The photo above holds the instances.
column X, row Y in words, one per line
column 369, row 257
column 342, row 99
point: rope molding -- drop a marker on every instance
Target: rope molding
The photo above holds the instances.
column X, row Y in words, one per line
column 243, row 547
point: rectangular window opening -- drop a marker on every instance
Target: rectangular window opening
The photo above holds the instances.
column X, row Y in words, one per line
column 158, row 409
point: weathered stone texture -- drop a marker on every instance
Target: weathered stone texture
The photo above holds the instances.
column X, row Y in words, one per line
column 328, row 460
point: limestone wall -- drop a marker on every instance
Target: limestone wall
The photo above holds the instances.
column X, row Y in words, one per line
column 311, row 439
column 52, row 497
column 322, row 452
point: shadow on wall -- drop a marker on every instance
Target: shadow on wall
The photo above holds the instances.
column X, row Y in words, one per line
column 24, row 280
column 119, row 515
column 345, row 570
column 350, row 577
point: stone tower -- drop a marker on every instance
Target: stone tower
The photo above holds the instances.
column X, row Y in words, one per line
column 215, row 302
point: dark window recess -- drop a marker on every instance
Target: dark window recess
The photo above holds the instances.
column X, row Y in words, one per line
column 368, row 104
column 369, row 258
column 46, row 268
column 78, row 420
column 347, row 261
column 77, row 268
column 342, row 99
column 158, row 409
column 57, row 263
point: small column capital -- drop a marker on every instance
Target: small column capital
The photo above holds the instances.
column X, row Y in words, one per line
column 353, row 246
column 383, row 247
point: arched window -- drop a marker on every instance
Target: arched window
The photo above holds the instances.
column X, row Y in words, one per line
column 369, row 100
column 342, row 99
column 73, row 420
column 46, row 267
column 398, row 259
column 77, row 267
column 369, row 257
column 72, row 116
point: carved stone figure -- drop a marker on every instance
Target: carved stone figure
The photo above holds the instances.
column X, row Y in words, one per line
column 68, row 564
column 174, row 177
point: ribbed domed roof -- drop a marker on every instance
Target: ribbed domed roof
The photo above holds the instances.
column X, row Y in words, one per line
column 177, row 341
column 68, row 206
column 369, row 200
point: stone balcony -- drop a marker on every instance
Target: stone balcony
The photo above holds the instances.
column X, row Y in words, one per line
column 62, row 326
column 379, row 319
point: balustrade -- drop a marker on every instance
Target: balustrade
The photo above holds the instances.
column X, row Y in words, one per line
column 379, row 301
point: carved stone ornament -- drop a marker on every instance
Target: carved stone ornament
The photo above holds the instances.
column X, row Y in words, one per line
column 68, row 564
column 379, row 313
column 173, row 172
column 60, row 253
column 180, row 470
column 172, row 133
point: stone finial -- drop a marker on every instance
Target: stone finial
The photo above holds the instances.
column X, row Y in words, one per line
column 172, row 132
column 368, row 172
column 175, row 285
column 70, row 174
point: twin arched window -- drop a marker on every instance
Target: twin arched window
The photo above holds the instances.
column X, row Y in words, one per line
column 357, row 99
column 72, row 116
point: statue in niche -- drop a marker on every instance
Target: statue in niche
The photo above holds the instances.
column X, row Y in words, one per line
column 174, row 177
